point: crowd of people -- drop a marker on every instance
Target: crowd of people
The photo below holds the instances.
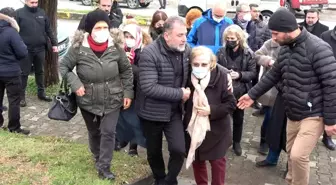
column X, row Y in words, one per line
column 188, row 80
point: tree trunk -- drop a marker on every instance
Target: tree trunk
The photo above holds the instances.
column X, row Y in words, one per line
column 51, row 66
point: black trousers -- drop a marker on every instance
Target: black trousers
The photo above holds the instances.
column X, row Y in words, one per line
column 174, row 133
column 238, row 120
column 38, row 60
column 102, row 131
column 163, row 3
column 12, row 85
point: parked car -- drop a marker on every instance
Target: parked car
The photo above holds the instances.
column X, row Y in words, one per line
column 130, row 3
column 63, row 42
column 267, row 7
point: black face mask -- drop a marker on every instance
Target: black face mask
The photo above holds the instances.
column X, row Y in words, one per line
column 159, row 30
column 231, row 44
column 32, row 9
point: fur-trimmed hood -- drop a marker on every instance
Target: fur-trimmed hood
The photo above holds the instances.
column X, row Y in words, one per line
column 10, row 20
column 116, row 38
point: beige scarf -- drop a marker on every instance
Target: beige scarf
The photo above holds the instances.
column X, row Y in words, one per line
column 198, row 125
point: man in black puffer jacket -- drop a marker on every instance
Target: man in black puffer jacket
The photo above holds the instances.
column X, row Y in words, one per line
column 306, row 67
column 36, row 33
column 12, row 50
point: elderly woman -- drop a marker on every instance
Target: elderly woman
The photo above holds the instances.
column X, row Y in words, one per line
column 207, row 116
column 129, row 128
column 156, row 26
column 103, row 83
column 239, row 59
column 191, row 17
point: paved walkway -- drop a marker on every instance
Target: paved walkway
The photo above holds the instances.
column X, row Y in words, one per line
column 240, row 170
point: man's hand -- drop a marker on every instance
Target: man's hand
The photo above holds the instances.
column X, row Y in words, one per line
column 245, row 102
column 270, row 63
column 80, row 91
column 234, row 75
column 186, row 94
column 203, row 111
column 55, row 49
column 230, row 87
column 127, row 103
column 330, row 130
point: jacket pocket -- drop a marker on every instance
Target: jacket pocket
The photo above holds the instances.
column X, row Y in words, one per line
column 116, row 98
column 87, row 99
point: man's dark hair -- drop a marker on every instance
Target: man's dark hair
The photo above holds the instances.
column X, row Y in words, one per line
column 8, row 11
column 98, row 1
column 169, row 23
column 253, row 6
column 313, row 10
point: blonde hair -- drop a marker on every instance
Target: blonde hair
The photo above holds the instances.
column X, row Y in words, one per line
column 202, row 50
column 238, row 32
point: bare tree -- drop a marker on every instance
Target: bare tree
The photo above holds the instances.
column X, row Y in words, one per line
column 51, row 66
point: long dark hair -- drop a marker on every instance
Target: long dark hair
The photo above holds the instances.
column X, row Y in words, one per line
column 157, row 16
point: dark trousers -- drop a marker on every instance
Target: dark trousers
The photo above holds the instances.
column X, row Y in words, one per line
column 174, row 133
column 13, row 88
column 101, row 130
column 38, row 60
column 217, row 172
column 238, row 120
column 163, row 3
column 265, row 123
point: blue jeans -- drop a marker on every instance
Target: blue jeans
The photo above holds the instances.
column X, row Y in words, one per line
column 265, row 123
column 273, row 156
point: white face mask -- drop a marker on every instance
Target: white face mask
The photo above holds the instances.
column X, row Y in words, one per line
column 200, row 72
column 130, row 43
column 218, row 19
column 100, row 36
column 247, row 17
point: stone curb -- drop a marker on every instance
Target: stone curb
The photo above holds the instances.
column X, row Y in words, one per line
column 145, row 181
column 143, row 21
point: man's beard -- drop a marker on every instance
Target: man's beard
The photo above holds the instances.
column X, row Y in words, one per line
column 286, row 41
column 178, row 48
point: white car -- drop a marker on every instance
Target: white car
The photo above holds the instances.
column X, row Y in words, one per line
column 267, row 7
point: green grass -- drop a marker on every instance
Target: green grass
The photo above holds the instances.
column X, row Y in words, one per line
column 48, row 160
column 32, row 87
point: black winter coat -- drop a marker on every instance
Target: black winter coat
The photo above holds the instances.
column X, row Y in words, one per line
column 330, row 38
column 12, row 50
column 318, row 29
column 35, row 29
column 222, row 104
column 156, row 93
column 307, row 69
column 248, row 69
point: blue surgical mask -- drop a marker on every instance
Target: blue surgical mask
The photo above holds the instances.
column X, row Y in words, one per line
column 200, row 72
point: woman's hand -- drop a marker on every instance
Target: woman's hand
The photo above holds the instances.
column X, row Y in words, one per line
column 129, row 55
column 80, row 91
column 203, row 111
column 230, row 87
column 127, row 103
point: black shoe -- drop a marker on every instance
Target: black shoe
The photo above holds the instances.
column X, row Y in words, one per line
column 264, row 163
column 4, row 108
column 119, row 146
column 159, row 182
column 21, row 131
column 44, row 98
column 23, row 103
column 263, row 149
column 328, row 143
column 105, row 173
column 133, row 152
column 237, row 149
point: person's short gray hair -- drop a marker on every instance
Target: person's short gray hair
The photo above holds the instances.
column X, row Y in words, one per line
column 240, row 7
column 169, row 23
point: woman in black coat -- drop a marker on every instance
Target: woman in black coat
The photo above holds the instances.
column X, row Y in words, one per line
column 239, row 59
column 220, row 103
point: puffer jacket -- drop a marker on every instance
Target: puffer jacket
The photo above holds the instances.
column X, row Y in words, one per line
column 107, row 80
column 156, row 93
column 269, row 51
column 307, row 68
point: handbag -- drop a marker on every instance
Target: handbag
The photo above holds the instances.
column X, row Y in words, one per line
column 64, row 105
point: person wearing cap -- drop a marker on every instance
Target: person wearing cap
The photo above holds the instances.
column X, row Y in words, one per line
column 306, row 66
column 129, row 127
column 103, row 83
